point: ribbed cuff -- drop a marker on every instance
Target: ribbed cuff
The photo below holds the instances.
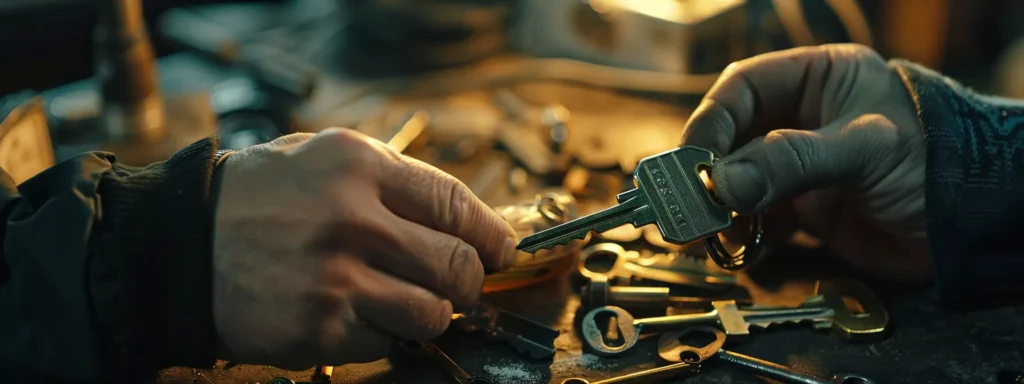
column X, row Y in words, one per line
column 158, row 222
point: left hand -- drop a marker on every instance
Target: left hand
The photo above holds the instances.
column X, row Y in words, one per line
column 852, row 171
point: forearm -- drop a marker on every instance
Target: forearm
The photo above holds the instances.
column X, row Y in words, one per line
column 974, row 189
column 109, row 268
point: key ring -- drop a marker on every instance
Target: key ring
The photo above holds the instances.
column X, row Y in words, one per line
column 743, row 257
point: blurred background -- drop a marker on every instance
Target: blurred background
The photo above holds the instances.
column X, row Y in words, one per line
column 50, row 42
column 257, row 69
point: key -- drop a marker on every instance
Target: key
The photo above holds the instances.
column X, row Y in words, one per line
column 437, row 356
column 827, row 310
column 599, row 294
column 526, row 336
column 780, row 372
column 690, row 363
column 623, row 268
column 671, row 350
column 645, row 376
column 669, row 192
column 726, row 313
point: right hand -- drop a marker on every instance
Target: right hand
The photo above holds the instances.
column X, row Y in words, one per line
column 851, row 169
column 327, row 247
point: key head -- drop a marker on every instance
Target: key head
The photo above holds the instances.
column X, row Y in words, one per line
column 671, row 348
column 730, row 317
column 870, row 322
column 678, row 200
column 593, row 333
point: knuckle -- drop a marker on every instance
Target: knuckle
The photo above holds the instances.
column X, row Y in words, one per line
column 455, row 199
column 462, row 273
column 733, row 68
column 876, row 133
column 794, row 147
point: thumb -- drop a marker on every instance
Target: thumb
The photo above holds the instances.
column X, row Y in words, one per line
column 787, row 163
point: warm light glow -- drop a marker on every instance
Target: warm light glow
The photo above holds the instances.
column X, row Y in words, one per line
column 676, row 11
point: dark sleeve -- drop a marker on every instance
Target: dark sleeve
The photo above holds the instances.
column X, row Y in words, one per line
column 974, row 189
column 105, row 269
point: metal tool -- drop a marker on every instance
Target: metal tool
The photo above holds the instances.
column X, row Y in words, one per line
column 410, row 131
column 133, row 107
column 669, row 193
column 671, row 350
column 430, row 351
column 519, row 136
column 526, row 336
column 826, row 309
column 668, row 371
column 322, row 374
column 690, row 366
column 780, row 372
column 599, row 294
column 622, row 268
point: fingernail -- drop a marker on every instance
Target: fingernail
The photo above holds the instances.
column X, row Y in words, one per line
column 744, row 184
column 511, row 253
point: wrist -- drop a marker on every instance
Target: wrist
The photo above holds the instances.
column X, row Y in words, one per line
column 158, row 221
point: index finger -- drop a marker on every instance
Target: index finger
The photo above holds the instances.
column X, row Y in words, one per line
column 759, row 94
column 426, row 195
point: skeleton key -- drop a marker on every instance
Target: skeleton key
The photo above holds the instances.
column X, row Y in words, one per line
column 826, row 309
column 669, row 192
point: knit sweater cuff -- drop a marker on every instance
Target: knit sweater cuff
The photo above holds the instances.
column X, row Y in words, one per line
column 158, row 224
column 973, row 187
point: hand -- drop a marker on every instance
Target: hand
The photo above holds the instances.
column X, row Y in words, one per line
column 328, row 246
column 851, row 170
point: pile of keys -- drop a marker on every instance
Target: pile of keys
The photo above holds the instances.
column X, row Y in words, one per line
column 674, row 193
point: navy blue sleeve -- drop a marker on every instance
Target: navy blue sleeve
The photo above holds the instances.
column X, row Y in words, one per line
column 974, row 189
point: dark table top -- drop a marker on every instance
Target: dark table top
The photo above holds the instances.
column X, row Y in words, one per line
column 926, row 344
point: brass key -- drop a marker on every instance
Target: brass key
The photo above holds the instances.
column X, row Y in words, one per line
column 669, row 192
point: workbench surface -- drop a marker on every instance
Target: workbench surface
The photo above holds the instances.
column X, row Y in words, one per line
column 926, row 345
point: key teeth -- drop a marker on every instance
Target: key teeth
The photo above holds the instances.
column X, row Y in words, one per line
column 548, row 245
column 767, row 324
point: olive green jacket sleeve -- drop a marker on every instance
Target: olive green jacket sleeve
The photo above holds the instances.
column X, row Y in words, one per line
column 105, row 269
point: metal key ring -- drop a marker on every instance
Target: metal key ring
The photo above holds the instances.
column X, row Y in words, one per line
column 603, row 248
column 742, row 258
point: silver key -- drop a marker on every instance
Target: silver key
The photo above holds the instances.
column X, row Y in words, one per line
column 623, row 268
column 780, row 372
column 669, row 192
column 671, row 350
column 691, row 359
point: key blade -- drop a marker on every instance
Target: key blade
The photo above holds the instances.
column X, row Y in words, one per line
column 628, row 212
